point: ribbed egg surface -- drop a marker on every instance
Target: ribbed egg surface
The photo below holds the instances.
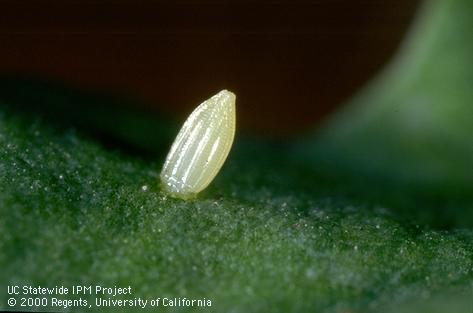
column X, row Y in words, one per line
column 201, row 146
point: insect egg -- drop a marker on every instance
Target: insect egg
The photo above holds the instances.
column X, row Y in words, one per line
column 201, row 147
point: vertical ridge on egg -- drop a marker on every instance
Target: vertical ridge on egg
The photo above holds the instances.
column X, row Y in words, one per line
column 201, row 146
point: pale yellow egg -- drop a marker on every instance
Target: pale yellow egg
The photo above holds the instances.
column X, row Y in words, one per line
column 201, row 146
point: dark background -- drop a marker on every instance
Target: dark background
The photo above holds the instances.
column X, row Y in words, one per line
column 289, row 62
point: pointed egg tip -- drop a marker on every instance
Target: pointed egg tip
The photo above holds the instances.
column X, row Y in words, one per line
column 227, row 93
column 225, row 97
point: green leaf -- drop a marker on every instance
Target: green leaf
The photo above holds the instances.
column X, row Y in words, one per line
column 369, row 214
